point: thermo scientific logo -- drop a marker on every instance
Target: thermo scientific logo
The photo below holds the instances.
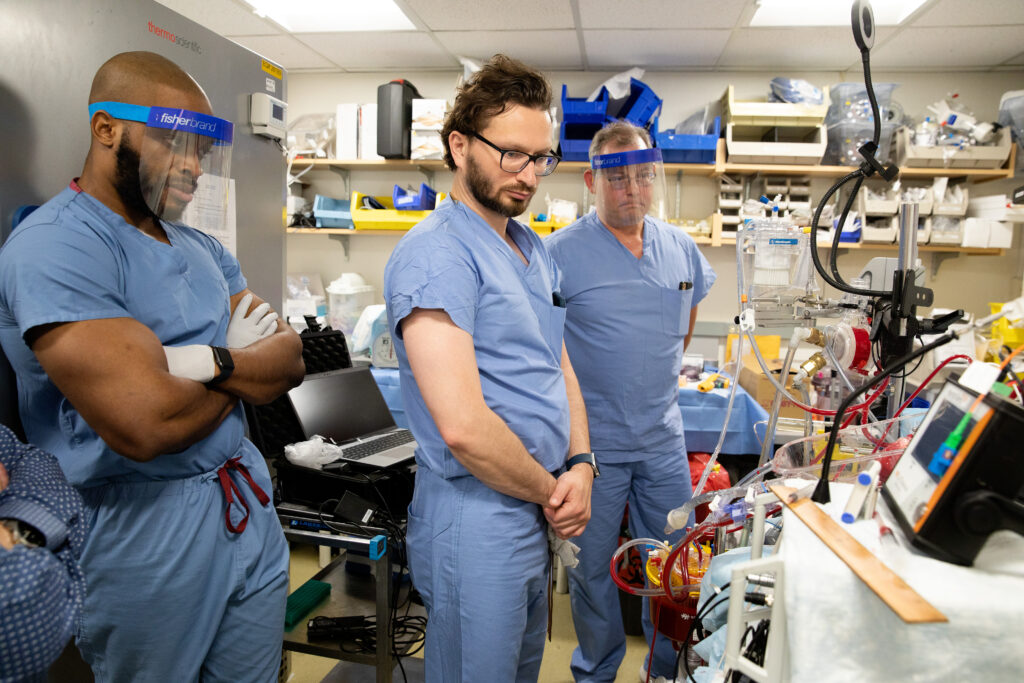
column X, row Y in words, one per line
column 174, row 38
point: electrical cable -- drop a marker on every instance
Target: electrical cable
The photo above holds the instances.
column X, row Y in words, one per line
column 821, row 493
column 701, row 613
column 1011, row 374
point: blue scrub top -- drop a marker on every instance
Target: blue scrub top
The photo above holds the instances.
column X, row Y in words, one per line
column 74, row 259
column 625, row 325
column 454, row 261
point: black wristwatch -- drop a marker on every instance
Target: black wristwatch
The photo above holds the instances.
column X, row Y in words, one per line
column 584, row 457
column 222, row 357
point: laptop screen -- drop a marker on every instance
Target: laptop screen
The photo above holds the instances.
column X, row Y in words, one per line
column 340, row 405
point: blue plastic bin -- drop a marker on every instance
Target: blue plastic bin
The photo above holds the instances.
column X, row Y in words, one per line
column 579, row 110
column 574, row 140
column 688, row 149
column 332, row 213
column 639, row 107
column 424, row 201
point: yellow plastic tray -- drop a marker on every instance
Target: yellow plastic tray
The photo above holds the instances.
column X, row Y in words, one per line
column 544, row 227
column 1001, row 330
column 387, row 218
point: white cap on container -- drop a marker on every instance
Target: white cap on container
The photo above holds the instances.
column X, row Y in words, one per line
column 349, row 283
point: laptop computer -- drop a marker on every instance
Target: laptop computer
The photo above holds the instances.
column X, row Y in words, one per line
column 346, row 407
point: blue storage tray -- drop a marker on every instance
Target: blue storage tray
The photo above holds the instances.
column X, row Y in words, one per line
column 424, row 201
column 688, row 149
column 640, row 106
column 332, row 213
column 579, row 110
column 574, row 140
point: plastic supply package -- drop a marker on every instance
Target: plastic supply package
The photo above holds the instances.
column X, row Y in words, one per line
column 348, row 296
column 310, row 135
column 618, row 85
column 361, row 339
column 1011, row 114
column 561, row 211
column 850, row 122
column 314, row 453
column 794, row 90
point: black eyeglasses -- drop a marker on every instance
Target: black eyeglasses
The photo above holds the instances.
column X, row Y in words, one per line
column 514, row 161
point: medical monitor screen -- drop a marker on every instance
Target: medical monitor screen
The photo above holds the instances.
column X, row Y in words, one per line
column 340, row 405
column 911, row 485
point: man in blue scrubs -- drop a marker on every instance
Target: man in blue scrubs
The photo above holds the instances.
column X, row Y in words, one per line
column 476, row 317
column 131, row 367
column 632, row 284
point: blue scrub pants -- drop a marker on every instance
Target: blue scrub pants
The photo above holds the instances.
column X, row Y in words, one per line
column 171, row 594
column 480, row 560
column 652, row 486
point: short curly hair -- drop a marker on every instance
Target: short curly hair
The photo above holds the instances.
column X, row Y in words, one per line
column 499, row 83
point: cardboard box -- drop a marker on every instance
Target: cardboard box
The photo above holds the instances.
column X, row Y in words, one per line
column 426, row 144
column 346, row 131
column 754, row 382
column 368, row 132
column 428, row 114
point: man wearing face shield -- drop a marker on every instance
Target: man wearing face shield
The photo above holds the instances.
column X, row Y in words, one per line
column 134, row 339
column 632, row 283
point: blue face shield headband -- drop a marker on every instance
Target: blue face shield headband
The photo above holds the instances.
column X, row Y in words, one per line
column 183, row 155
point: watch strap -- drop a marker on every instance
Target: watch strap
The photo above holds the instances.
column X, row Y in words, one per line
column 588, row 458
column 222, row 359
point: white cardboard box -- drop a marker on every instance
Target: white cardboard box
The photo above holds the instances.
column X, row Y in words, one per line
column 426, row 144
column 976, row 232
column 368, row 132
column 1000, row 235
column 428, row 114
column 346, row 131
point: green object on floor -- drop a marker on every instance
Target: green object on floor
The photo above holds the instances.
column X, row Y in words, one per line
column 303, row 599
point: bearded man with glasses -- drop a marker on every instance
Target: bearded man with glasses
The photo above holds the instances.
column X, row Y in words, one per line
column 476, row 317
column 632, row 284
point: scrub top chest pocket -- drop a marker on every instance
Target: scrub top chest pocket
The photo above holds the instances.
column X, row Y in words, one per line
column 675, row 309
column 556, row 324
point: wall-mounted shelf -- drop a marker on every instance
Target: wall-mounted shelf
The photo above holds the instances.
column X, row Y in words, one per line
column 717, row 239
column 720, row 167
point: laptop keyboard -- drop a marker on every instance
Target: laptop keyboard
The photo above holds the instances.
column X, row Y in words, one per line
column 364, row 450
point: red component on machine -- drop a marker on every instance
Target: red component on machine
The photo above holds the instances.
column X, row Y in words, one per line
column 862, row 350
column 718, row 480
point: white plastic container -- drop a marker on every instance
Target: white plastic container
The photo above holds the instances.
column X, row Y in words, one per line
column 347, row 297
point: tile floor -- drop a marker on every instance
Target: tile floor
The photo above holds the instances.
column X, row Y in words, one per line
column 557, row 653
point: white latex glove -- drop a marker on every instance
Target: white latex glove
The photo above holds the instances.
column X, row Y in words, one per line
column 245, row 329
column 564, row 548
column 194, row 362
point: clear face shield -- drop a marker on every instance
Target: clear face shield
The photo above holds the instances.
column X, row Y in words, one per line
column 629, row 185
column 184, row 158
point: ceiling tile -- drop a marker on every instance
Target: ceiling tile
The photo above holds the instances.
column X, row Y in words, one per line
column 973, row 13
column 653, row 49
column 815, row 48
column 224, row 17
column 934, row 47
column 540, row 49
column 474, row 15
column 380, row 49
column 284, row 50
column 660, row 13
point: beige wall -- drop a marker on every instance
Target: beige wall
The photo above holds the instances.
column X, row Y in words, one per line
column 964, row 281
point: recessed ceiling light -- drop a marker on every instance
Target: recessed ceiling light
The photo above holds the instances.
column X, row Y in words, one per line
column 828, row 12
column 330, row 16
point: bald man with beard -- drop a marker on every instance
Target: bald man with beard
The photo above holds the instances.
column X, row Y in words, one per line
column 134, row 339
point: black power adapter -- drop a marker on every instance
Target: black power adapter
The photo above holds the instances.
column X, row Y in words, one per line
column 352, row 508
